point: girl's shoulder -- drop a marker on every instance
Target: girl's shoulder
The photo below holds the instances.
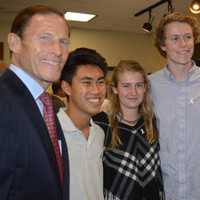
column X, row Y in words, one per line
column 102, row 120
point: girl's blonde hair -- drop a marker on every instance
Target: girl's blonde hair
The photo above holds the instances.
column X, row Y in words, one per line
column 145, row 109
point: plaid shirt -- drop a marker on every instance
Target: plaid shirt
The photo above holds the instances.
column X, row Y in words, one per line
column 132, row 170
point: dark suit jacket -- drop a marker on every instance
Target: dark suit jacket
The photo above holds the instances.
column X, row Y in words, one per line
column 28, row 169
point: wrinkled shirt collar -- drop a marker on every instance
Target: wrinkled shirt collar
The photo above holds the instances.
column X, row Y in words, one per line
column 193, row 74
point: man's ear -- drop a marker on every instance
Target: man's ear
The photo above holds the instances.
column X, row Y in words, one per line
column 114, row 89
column 14, row 42
column 163, row 47
column 66, row 87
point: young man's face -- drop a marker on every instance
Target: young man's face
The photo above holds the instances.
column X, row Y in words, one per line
column 179, row 43
column 43, row 48
column 87, row 91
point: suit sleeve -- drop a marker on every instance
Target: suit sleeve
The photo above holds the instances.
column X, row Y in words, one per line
column 8, row 149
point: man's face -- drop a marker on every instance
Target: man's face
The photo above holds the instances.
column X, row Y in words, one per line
column 87, row 91
column 179, row 43
column 43, row 48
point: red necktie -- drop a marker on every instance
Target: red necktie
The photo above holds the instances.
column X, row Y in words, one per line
column 49, row 118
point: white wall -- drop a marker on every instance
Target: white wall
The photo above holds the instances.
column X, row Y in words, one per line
column 119, row 45
column 4, row 29
column 114, row 46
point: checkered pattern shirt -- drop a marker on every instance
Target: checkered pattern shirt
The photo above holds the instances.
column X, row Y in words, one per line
column 132, row 170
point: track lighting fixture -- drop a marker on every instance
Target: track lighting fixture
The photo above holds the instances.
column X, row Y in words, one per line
column 147, row 26
column 195, row 6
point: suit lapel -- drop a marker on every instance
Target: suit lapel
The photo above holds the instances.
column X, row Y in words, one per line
column 31, row 110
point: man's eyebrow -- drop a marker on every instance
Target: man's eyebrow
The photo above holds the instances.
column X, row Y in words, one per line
column 100, row 78
column 91, row 78
column 86, row 78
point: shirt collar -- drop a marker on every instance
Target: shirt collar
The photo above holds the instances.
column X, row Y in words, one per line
column 33, row 86
column 193, row 74
column 68, row 124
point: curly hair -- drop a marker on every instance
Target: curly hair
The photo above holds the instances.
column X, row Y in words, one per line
column 174, row 17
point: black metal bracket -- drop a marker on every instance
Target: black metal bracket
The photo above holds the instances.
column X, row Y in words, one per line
column 148, row 9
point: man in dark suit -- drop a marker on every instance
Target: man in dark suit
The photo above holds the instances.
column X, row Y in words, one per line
column 29, row 170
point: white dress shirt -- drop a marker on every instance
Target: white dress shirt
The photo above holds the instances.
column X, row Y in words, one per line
column 33, row 86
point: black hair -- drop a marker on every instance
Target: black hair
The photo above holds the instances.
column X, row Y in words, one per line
column 82, row 56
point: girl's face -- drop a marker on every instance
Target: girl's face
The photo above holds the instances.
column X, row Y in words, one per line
column 130, row 90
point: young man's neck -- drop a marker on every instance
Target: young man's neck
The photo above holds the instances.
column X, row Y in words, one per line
column 82, row 122
column 180, row 71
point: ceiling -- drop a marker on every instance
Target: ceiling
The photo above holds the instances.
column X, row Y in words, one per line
column 113, row 15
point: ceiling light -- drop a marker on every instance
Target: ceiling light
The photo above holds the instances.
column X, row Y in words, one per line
column 80, row 17
column 147, row 26
column 195, row 6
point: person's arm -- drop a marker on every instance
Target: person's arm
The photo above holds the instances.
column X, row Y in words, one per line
column 8, row 151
